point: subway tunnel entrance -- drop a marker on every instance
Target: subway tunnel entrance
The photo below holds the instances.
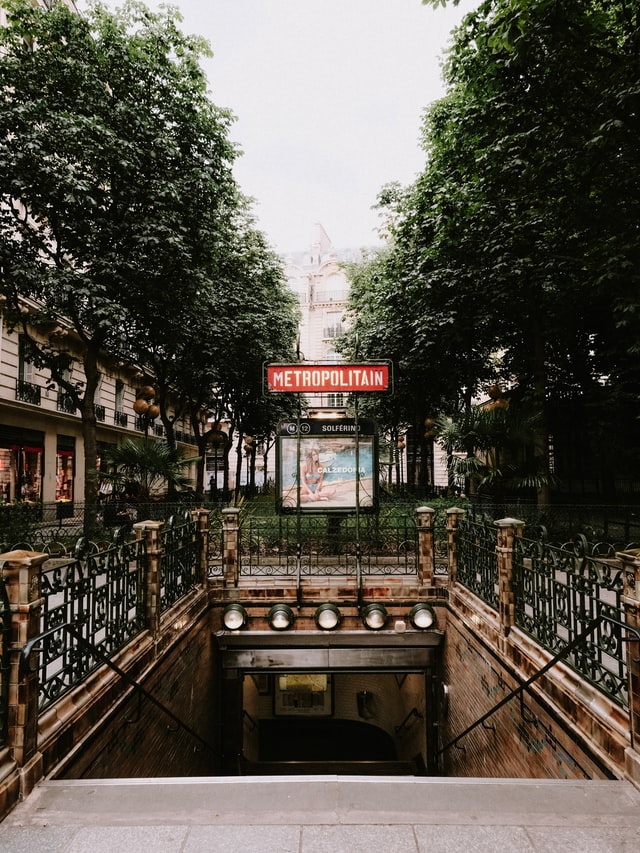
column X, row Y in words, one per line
column 366, row 706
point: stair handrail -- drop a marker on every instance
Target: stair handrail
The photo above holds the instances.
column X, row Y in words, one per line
column 579, row 638
column 31, row 646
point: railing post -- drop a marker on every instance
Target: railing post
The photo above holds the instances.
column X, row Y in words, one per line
column 151, row 532
column 508, row 530
column 201, row 517
column 454, row 517
column 426, row 549
column 21, row 573
column 230, row 545
column 631, row 603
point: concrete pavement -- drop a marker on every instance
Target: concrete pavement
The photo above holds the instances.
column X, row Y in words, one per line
column 325, row 814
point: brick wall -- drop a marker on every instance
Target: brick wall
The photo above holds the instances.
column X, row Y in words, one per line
column 139, row 740
column 526, row 738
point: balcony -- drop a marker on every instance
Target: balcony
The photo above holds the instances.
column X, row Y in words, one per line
column 27, row 392
column 330, row 296
column 121, row 419
column 65, row 403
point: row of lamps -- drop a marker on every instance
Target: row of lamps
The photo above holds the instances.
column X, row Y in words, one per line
column 327, row 617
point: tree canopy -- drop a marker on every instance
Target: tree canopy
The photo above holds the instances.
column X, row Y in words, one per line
column 119, row 212
column 515, row 254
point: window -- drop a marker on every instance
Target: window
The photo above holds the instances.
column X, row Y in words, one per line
column 25, row 365
column 26, row 389
column 120, row 416
column 332, row 325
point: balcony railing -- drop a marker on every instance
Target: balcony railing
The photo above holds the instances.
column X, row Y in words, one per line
column 27, row 392
column 65, row 403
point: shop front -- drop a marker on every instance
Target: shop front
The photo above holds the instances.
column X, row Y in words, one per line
column 21, row 465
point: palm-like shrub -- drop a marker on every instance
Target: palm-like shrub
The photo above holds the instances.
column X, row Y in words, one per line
column 151, row 465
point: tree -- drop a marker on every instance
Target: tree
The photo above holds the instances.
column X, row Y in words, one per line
column 517, row 250
column 222, row 373
column 114, row 169
column 150, row 464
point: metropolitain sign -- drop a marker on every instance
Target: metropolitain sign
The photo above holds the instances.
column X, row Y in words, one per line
column 328, row 378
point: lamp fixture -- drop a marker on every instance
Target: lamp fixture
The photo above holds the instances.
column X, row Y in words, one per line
column 234, row 617
column 374, row 616
column 327, row 616
column 280, row 617
column 422, row 616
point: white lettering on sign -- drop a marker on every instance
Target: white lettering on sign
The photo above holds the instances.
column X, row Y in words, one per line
column 322, row 379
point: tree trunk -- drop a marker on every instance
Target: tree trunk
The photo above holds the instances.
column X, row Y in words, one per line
column 92, row 377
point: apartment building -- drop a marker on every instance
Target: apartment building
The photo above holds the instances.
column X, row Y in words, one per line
column 41, row 443
column 320, row 282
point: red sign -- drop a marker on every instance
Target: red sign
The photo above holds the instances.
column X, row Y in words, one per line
column 327, row 378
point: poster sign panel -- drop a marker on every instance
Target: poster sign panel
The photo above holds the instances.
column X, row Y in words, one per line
column 327, row 466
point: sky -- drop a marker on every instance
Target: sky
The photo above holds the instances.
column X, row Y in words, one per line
column 328, row 97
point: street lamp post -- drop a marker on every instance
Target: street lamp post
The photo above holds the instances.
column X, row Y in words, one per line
column 146, row 407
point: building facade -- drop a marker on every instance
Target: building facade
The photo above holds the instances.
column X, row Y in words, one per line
column 41, row 443
column 319, row 280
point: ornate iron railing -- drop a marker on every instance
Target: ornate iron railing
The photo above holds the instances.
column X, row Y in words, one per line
column 181, row 544
column 477, row 558
column 334, row 545
column 215, row 548
column 102, row 595
column 5, row 648
column 27, row 392
column 559, row 590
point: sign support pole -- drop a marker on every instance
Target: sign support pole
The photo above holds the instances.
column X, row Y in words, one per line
column 358, row 550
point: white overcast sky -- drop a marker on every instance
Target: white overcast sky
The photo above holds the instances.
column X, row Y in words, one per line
column 329, row 97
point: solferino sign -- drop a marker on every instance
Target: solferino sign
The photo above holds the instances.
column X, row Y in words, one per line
column 327, row 466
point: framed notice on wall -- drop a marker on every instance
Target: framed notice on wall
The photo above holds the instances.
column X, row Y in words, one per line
column 304, row 695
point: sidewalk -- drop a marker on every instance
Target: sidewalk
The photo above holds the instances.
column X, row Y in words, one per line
column 325, row 814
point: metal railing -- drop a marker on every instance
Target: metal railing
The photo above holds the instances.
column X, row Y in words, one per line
column 477, row 558
column 559, row 590
column 40, row 525
column 103, row 595
column 181, row 545
column 5, row 663
column 327, row 545
column 564, row 652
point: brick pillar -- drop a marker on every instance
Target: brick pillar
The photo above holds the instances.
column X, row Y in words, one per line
column 426, row 550
column 631, row 603
column 508, row 530
column 151, row 531
column 230, row 543
column 454, row 516
column 201, row 516
column 21, row 572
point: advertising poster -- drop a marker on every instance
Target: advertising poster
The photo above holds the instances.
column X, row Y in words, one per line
column 327, row 466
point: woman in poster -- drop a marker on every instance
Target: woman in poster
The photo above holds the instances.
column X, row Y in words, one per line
column 312, row 486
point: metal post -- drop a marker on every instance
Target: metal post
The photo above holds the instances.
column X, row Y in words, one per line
column 358, row 551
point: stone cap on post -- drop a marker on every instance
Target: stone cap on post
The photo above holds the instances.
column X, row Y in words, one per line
column 631, row 567
column 20, row 571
